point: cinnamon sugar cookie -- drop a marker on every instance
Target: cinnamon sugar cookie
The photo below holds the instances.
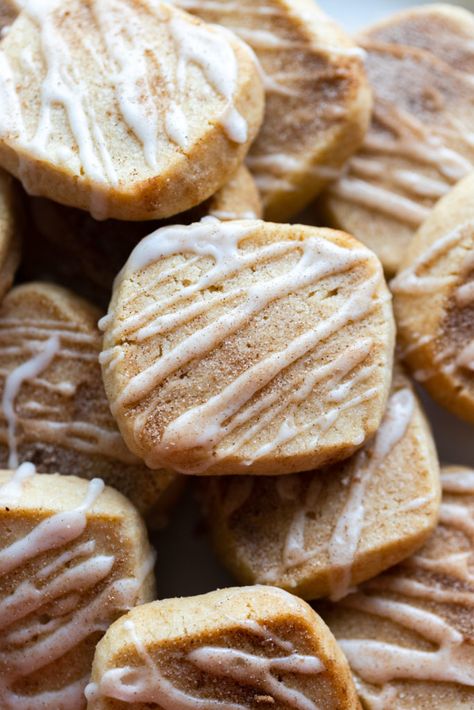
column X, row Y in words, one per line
column 322, row 532
column 9, row 233
column 53, row 411
column 73, row 557
column 248, row 347
column 146, row 116
column 408, row 634
column 317, row 97
column 69, row 247
column 419, row 144
column 434, row 302
column 234, row 649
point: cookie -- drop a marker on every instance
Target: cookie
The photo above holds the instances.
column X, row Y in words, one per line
column 251, row 648
column 321, row 533
column 74, row 556
column 9, row 232
column 434, row 302
column 318, row 100
column 418, row 145
column 67, row 246
column 54, row 411
column 225, row 343
column 147, row 116
column 408, row 633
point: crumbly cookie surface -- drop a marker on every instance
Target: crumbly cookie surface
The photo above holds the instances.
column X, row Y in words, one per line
column 249, row 647
column 248, row 347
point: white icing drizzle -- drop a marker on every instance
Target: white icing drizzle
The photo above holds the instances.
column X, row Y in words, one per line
column 346, row 536
column 451, row 660
column 123, row 66
column 410, row 194
column 411, row 281
column 148, row 684
column 55, row 589
column 49, row 341
column 205, row 426
column 12, row 490
column 26, row 371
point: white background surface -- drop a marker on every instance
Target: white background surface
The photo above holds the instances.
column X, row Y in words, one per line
column 186, row 565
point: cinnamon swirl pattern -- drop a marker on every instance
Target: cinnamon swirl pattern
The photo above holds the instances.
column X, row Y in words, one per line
column 73, row 558
column 245, row 347
column 323, row 532
column 244, row 648
column 408, row 633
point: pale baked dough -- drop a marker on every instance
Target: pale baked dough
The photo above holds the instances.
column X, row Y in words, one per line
column 146, row 116
column 73, row 557
column 434, row 302
column 248, row 347
column 9, row 232
column 321, row 533
column 54, row 411
column 408, row 633
column 318, row 100
column 419, row 144
column 67, row 246
column 234, row 649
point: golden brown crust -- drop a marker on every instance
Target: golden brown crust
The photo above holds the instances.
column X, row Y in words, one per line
column 113, row 160
column 318, row 100
column 262, row 622
column 285, row 531
column 432, row 302
column 247, row 340
column 9, row 232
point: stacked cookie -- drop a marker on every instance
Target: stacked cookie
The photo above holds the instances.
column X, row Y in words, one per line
column 141, row 143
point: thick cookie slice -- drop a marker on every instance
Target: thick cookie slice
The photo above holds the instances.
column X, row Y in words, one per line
column 235, row 649
column 148, row 115
column 409, row 633
column 419, row 144
column 317, row 97
column 323, row 532
column 248, row 347
column 69, row 247
column 54, row 411
column 73, row 557
column 434, row 302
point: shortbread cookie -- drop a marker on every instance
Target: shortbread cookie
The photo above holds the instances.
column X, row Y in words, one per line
column 434, row 302
column 248, row 347
column 321, row 533
column 317, row 96
column 69, row 247
column 9, row 233
column 8, row 12
column 418, row 147
column 147, row 116
column 73, row 557
column 234, row 649
column 408, row 634
column 54, row 411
